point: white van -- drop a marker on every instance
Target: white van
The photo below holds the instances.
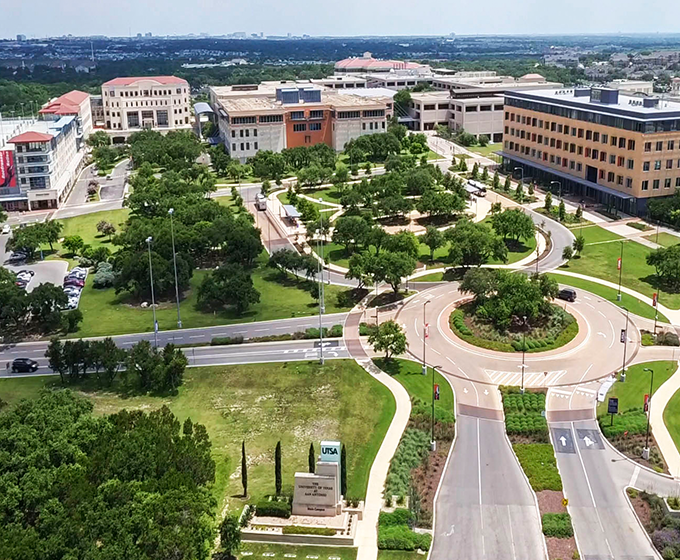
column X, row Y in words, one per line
column 260, row 201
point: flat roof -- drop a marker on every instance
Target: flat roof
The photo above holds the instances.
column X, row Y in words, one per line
column 291, row 211
column 624, row 107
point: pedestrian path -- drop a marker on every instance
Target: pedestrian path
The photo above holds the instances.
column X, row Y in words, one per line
column 531, row 378
column 661, row 434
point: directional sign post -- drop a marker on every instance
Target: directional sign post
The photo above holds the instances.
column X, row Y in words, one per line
column 613, row 407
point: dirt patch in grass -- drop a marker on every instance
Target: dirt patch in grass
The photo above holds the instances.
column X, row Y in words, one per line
column 426, row 477
column 561, row 549
column 550, row 501
column 642, row 509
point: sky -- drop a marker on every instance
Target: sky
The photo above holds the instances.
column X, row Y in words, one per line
column 46, row 18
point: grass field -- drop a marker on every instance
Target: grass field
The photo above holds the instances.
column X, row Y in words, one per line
column 329, row 194
column 297, row 403
column 409, row 374
column 283, row 198
column 671, row 417
column 631, row 393
column 596, row 234
column 600, row 261
column 398, row 555
column 487, row 150
column 105, row 313
column 664, row 239
column 633, row 304
column 258, row 551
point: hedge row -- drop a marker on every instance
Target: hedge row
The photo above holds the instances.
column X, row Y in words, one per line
column 299, row 530
column 400, row 516
column 557, row 525
column 334, row 332
column 632, row 421
column 265, row 508
column 539, row 464
column 400, row 537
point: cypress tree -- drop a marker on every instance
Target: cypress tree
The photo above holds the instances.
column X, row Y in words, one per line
column 277, row 468
column 244, row 469
column 343, row 471
column 311, row 458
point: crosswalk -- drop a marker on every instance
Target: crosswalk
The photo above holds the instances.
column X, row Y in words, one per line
column 531, row 378
column 578, row 390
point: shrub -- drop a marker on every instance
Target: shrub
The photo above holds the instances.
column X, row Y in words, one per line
column 365, row 329
column 226, row 340
column 104, row 277
column 557, row 525
column 413, row 447
column 299, row 530
column 632, row 421
column 335, row 332
column 273, row 508
column 400, row 516
column 667, row 339
column 538, row 463
column 400, row 537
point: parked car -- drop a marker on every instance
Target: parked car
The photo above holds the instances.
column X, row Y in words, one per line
column 24, row 365
column 6, row 229
column 25, row 274
column 72, row 291
column 567, row 294
column 74, row 282
column 17, row 257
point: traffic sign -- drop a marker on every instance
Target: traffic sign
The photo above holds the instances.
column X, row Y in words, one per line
column 623, row 336
column 655, row 298
column 436, row 392
column 613, row 405
column 427, row 330
column 618, row 263
column 646, row 402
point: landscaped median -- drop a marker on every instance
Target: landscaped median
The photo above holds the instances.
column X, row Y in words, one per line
column 527, row 430
column 627, row 430
column 661, row 519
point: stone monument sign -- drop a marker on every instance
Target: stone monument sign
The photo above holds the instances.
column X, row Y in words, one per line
column 319, row 493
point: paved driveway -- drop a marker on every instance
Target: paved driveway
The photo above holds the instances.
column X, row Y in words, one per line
column 111, row 189
column 52, row 272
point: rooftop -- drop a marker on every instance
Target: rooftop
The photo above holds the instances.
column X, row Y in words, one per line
column 368, row 63
column 632, row 106
column 31, row 136
column 160, row 80
column 67, row 104
column 42, row 131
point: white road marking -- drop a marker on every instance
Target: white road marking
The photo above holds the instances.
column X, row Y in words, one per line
column 512, row 537
column 600, row 312
column 197, row 336
column 560, row 392
column 613, row 334
column 449, row 533
column 634, row 477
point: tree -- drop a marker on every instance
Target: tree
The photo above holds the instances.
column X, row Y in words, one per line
column 475, row 172
column 98, row 139
column 519, row 192
column 311, row 459
column 474, row 244
column 244, row 469
column 561, row 211
column 404, row 242
column 360, row 268
column 73, row 244
column 391, row 268
column 389, row 338
column 277, row 468
column 579, row 244
column 106, row 228
column 514, row 223
column 507, row 184
column 567, row 253
column 51, row 231
column 55, row 358
column 485, row 174
column 530, row 190
column 72, row 320
column 351, row 231
column 230, row 535
column 496, row 181
column 113, row 359
column 579, row 213
column 666, row 262
column 548, row 202
column 229, row 285
column 402, row 100
column 434, row 239
column 343, row 470
column 44, row 303
column 483, row 140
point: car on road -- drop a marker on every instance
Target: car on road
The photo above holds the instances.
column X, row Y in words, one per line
column 74, row 282
column 72, row 291
column 6, row 229
column 567, row 294
column 17, row 257
column 24, row 365
column 28, row 274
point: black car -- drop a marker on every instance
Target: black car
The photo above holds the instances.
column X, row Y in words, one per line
column 24, row 365
column 568, row 294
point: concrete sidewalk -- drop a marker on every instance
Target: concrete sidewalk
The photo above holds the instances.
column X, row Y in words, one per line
column 661, row 434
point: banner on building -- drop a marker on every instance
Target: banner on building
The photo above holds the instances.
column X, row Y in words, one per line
column 8, row 173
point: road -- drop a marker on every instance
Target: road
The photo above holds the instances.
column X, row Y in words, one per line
column 36, row 350
column 52, row 272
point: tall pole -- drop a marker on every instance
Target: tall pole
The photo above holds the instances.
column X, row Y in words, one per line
column 657, row 231
column 174, row 264
column 625, row 345
column 433, row 444
column 321, row 291
column 524, row 347
column 645, row 451
column 153, row 299
column 656, row 309
column 618, row 296
column 424, row 336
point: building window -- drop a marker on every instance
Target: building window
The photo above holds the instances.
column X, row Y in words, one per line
column 299, row 127
column 243, row 120
column 619, row 179
column 254, row 131
column 659, row 146
column 631, row 144
column 667, row 183
column 233, row 147
column 317, row 114
column 655, row 185
column 255, row 145
column 247, row 145
column 605, row 138
column 615, row 141
column 648, row 146
column 671, row 144
column 566, row 129
column 645, row 185
column 621, row 160
column 162, row 117
column 677, row 182
column 242, row 146
column 315, row 126
column 241, row 133
column 629, row 183
column 233, row 134
column 645, row 166
column 270, row 119
column 669, row 164
column 349, row 114
column 622, row 143
column 472, row 109
column 579, row 167
column 657, row 165
column 610, row 177
column 589, row 134
column 630, row 164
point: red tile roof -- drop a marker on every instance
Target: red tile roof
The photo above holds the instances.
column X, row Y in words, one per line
column 375, row 64
column 161, row 80
column 31, row 137
column 67, row 104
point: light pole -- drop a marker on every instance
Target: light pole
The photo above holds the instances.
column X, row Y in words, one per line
column 645, row 451
column 625, row 345
column 174, row 264
column 558, row 183
column 321, row 289
column 153, row 299
column 424, row 336
column 433, row 443
column 620, row 265
column 521, row 170
column 524, row 348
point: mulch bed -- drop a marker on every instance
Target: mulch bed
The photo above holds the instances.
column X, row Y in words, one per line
column 550, row 501
column 561, row 549
column 628, row 444
column 426, row 477
column 642, row 510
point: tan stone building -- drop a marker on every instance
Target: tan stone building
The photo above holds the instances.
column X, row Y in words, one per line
column 617, row 149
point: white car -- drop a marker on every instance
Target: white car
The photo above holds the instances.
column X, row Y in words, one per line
column 72, row 291
column 6, row 229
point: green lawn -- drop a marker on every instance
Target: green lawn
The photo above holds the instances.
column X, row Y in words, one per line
column 329, row 194
column 278, row 551
column 595, row 234
column 398, row 555
column 600, row 261
column 671, row 417
column 664, row 239
column 434, row 277
column 283, row 198
column 410, row 375
column 297, row 403
column 105, row 313
column 633, row 304
column 487, row 150
column 631, row 392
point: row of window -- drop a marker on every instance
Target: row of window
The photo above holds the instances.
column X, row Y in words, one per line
column 647, row 165
column 302, row 127
column 300, row 115
column 657, row 182
column 659, row 145
column 245, row 146
column 32, row 159
column 669, row 125
column 244, row 132
column 468, row 108
column 145, row 93
column 590, row 135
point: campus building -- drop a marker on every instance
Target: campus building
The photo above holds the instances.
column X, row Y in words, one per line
column 620, row 150
column 366, row 64
column 161, row 103
column 45, row 164
column 278, row 115
column 74, row 103
column 472, row 101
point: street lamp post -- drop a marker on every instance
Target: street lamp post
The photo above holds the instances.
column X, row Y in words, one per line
column 433, row 443
column 321, row 289
column 620, row 265
column 558, row 183
column 645, row 451
column 174, row 264
column 153, row 299
column 424, row 336
column 625, row 345
column 521, row 170
column 524, row 348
